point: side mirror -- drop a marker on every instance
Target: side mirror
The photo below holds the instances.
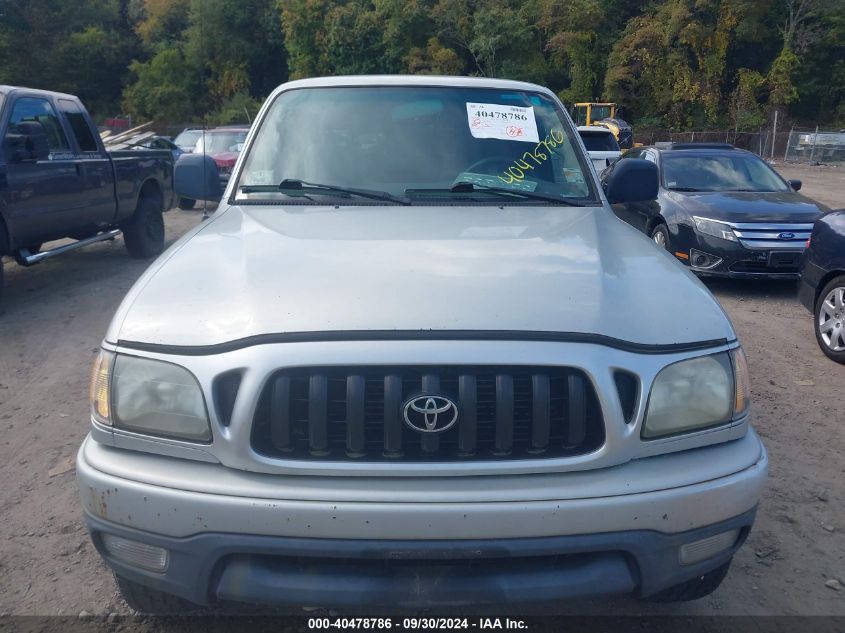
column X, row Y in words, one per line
column 15, row 147
column 631, row 180
column 196, row 176
column 795, row 184
column 28, row 142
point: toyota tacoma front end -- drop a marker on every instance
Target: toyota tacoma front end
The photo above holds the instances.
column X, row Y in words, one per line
column 413, row 360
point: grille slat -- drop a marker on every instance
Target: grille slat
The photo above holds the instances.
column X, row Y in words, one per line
column 504, row 414
column 280, row 413
column 541, row 413
column 392, row 415
column 468, row 422
column 577, row 426
column 355, row 413
column 318, row 389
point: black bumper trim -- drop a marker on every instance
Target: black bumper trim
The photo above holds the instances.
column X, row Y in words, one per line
column 343, row 572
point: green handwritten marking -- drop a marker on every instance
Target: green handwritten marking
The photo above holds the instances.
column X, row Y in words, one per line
column 516, row 171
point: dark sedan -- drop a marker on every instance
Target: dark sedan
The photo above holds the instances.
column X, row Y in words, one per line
column 723, row 211
column 822, row 287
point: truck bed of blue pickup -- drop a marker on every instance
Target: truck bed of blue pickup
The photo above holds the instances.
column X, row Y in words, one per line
column 58, row 181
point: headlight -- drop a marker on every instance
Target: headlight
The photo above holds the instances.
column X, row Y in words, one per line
column 689, row 395
column 716, row 229
column 148, row 396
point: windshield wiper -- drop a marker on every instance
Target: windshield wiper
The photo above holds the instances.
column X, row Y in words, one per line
column 468, row 187
column 687, row 189
column 292, row 184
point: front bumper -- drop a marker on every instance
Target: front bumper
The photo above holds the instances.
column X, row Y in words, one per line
column 737, row 261
column 300, row 547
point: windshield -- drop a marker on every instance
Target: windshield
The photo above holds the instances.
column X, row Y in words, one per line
column 719, row 172
column 600, row 112
column 417, row 142
column 187, row 139
column 599, row 142
column 222, row 142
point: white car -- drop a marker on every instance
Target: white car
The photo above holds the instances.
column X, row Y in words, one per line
column 601, row 145
column 412, row 360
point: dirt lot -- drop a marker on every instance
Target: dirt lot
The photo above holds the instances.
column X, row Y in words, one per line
column 55, row 314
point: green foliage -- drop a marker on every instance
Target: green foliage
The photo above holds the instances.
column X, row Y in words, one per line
column 678, row 63
column 239, row 108
column 747, row 110
column 83, row 48
column 782, row 91
column 166, row 88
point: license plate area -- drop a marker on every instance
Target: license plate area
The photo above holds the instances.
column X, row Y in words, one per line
column 784, row 259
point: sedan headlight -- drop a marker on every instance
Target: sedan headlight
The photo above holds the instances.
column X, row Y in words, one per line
column 714, row 228
column 697, row 393
column 148, row 396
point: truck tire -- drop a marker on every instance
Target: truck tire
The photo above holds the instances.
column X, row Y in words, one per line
column 693, row 589
column 186, row 204
column 143, row 233
column 147, row 601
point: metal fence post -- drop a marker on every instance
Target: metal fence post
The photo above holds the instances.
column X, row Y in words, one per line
column 813, row 148
column 788, row 143
column 774, row 135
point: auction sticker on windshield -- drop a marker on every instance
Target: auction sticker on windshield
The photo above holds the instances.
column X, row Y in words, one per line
column 509, row 123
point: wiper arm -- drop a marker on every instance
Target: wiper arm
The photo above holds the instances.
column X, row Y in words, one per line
column 293, row 184
column 686, row 189
column 468, row 187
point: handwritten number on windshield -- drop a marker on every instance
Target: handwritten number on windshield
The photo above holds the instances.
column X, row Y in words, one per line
column 517, row 170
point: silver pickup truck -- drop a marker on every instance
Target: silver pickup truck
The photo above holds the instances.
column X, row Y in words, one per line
column 414, row 359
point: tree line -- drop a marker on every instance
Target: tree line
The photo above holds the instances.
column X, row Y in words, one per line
column 684, row 64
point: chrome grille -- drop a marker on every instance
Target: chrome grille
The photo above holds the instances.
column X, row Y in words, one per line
column 355, row 413
column 767, row 236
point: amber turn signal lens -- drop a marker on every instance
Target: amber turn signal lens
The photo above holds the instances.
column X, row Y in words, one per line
column 742, row 382
column 99, row 393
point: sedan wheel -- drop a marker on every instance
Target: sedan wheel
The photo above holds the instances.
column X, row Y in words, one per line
column 830, row 320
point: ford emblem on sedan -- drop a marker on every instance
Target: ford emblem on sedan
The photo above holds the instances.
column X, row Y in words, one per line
column 787, row 236
column 430, row 414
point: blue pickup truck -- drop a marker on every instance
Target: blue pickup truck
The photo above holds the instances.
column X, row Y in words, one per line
column 58, row 181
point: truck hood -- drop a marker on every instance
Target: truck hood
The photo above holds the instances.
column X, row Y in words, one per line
column 784, row 207
column 258, row 270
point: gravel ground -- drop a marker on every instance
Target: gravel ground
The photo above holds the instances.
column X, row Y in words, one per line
column 54, row 315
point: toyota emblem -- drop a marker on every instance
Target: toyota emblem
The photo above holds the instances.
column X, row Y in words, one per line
column 430, row 414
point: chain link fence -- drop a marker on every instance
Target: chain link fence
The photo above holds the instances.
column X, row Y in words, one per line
column 757, row 142
column 798, row 145
column 815, row 146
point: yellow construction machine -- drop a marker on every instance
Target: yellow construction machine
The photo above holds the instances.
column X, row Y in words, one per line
column 604, row 115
